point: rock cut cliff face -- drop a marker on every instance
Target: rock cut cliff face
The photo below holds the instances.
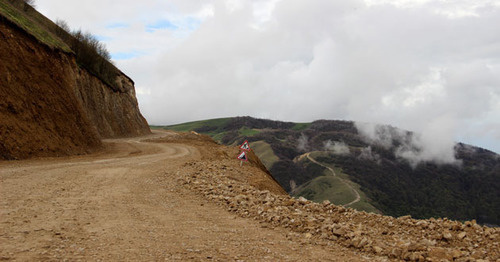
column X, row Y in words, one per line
column 113, row 111
column 49, row 106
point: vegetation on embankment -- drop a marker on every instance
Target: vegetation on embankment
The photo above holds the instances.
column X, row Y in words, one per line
column 50, row 105
column 27, row 18
column 89, row 52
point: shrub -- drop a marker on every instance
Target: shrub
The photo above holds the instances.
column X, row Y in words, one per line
column 90, row 53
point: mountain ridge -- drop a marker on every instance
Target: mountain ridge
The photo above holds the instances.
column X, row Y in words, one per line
column 464, row 192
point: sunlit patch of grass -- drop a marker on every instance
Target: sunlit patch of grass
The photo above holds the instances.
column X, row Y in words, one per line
column 265, row 153
column 32, row 26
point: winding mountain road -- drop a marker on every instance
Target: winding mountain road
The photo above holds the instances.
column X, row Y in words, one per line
column 125, row 204
column 353, row 190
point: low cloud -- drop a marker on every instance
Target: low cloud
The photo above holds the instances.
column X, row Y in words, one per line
column 338, row 148
column 435, row 144
column 367, row 154
column 301, row 60
column 303, row 143
column 382, row 135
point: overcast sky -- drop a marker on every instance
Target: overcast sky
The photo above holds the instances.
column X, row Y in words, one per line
column 431, row 66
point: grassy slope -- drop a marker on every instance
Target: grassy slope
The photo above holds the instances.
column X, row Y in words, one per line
column 42, row 28
column 322, row 187
column 332, row 188
column 217, row 124
column 244, row 131
column 265, row 153
column 189, row 126
column 301, row 126
column 34, row 23
column 325, row 187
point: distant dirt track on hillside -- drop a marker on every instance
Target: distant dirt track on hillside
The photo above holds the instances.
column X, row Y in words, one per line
column 125, row 204
column 353, row 190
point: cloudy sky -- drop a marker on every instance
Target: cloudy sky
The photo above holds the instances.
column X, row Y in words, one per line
column 431, row 66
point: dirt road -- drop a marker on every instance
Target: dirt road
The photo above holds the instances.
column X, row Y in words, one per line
column 353, row 190
column 125, row 204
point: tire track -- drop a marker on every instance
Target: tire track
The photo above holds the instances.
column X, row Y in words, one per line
column 353, row 190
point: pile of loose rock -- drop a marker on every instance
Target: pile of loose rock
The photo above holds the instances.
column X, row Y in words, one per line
column 400, row 238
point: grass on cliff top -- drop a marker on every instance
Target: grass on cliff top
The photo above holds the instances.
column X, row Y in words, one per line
column 265, row 153
column 248, row 132
column 214, row 127
column 301, row 126
column 190, row 126
column 211, row 127
column 34, row 24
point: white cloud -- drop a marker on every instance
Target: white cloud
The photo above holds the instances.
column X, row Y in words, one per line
column 433, row 144
column 367, row 154
column 404, row 63
column 303, row 143
column 337, row 147
column 451, row 9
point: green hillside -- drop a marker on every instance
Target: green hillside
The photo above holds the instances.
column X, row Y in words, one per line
column 385, row 182
column 315, row 184
column 338, row 188
column 212, row 126
column 265, row 153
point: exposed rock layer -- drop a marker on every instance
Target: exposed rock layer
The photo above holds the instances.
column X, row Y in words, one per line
column 50, row 106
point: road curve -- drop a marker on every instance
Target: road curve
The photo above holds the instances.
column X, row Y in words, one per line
column 126, row 204
column 353, row 190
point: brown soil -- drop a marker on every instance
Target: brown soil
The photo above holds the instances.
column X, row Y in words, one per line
column 171, row 196
column 129, row 202
column 39, row 115
column 49, row 106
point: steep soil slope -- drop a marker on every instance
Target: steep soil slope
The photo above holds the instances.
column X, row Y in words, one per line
column 39, row 112
column 50, row 106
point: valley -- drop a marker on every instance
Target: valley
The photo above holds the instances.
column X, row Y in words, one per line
column 386, row 183
column 84, row 178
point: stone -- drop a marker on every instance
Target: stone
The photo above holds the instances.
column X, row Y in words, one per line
column 364, row 241
column 339, row 232
column 447, row 236
column 461, row 235
column 413, row 246
column 378, row 250
column 303, row 201
column 439, row 253
column 456, row 253
column 428, row 243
